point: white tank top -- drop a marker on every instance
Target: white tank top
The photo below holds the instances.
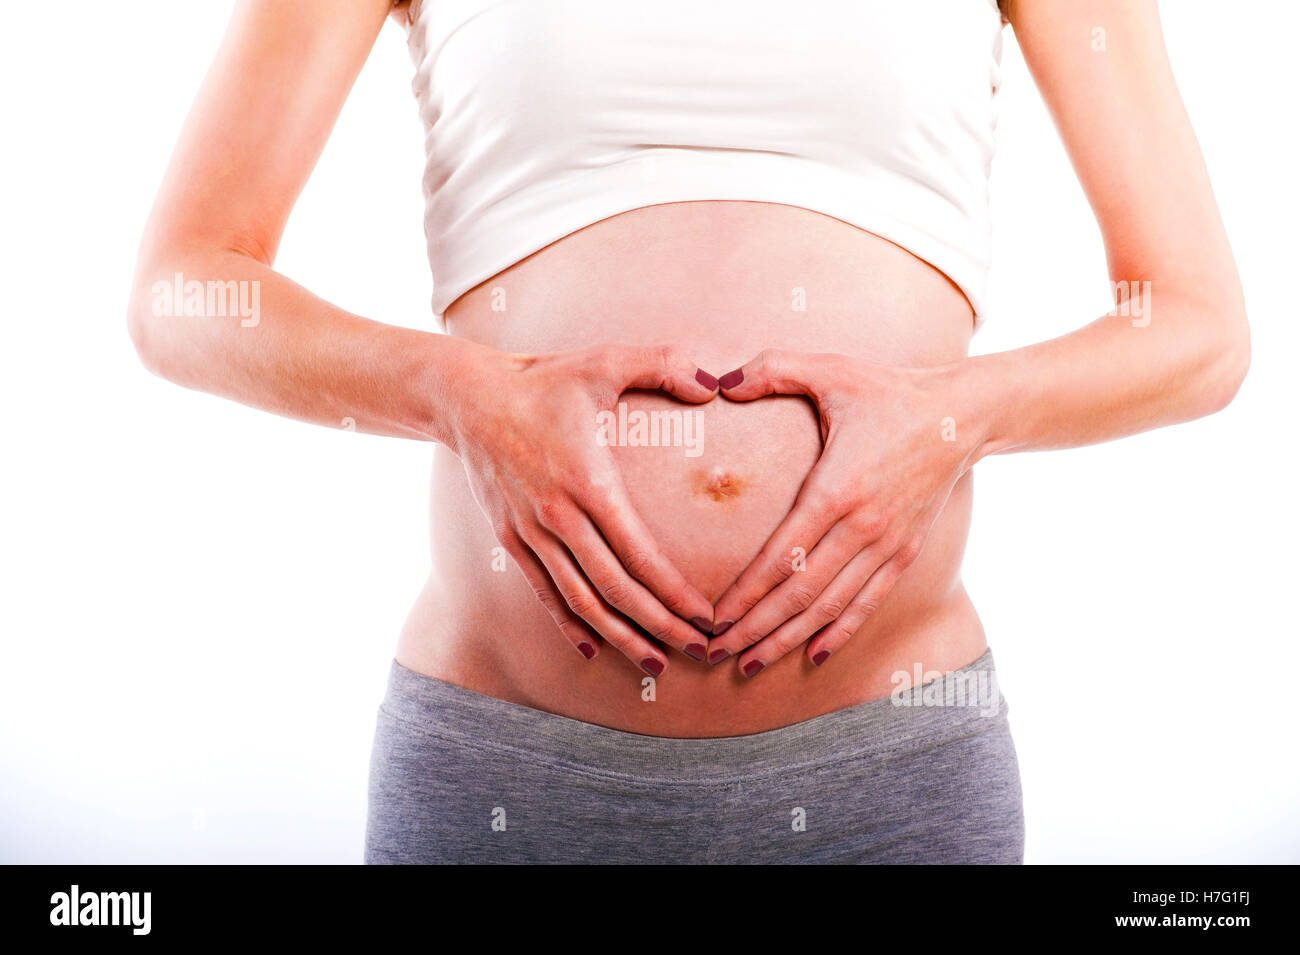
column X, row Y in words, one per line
column 544, row 116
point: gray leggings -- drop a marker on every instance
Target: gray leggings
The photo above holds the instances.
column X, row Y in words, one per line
column 928, row 776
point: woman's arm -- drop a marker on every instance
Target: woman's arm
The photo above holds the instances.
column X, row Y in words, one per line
column 1180, row 347
column 898, row 439
column 524, row 426
column 256, row 129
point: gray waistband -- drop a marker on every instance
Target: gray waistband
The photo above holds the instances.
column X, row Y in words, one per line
column 960, row 704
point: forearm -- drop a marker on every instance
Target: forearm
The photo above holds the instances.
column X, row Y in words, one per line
column 1117, row 376
column 298, row 356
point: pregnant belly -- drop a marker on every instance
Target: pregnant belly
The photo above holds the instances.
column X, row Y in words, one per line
column 725, row 280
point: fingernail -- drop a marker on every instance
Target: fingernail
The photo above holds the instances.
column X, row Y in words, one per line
column 587, row 650
column 752, row 667
column 652, row 666
column 704, row 378
column 702, row 625
column 720, row 628
column 731, row 378
column 695, row 651
column 717, row 656
column 820, row 657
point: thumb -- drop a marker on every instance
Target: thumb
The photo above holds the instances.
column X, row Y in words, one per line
column 772, row 372
column 666, row 368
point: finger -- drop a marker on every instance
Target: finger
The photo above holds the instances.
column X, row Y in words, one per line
column 775, row 372
column 816, row 510
column 612, row 512
column 800, row 591
column 578, row 595
column 626, row 595
column 830, row 606
column 585, row 640
column 663, row 367
column 834, row 635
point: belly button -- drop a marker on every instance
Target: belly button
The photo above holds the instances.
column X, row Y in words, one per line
column 719, row 485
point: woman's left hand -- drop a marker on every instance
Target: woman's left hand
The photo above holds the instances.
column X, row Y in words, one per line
column 894, row 445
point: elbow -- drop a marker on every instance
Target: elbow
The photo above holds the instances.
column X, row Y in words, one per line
column 151, row 313
column 139, row 326
column 142, row 325
column 1229, row 358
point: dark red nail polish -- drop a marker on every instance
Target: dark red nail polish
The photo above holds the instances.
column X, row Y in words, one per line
column 695, row 651
column 702, row 625
column 704, row 378
column 587, row 650
column 652, row 666
column 720, row 628
column 752, row 667
column 731, row 378
column 820, row 657
column 717, row 656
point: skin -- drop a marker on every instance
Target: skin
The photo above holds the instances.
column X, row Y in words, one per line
column 715, row 276
column 1110, row 379
column 879, row 509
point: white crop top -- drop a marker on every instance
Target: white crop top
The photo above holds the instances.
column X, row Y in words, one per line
column 545, row 116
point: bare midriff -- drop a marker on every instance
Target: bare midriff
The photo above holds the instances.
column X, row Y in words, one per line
column 725, row 280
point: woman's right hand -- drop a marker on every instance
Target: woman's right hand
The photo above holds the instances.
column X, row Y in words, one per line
column 525, row 429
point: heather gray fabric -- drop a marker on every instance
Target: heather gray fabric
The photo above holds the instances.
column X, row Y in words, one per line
column 458, row 777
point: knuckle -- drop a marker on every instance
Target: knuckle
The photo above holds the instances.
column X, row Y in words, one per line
column 838, row 633
column 866, row 607
column 846, row 625
column 799, row 597
column 552, row 604
column 791, row 562
column 779, row 566
column 550, row 510
column 582, row 604
column 829, row 503
column 908, row 553
column 869, row 524
column 831, row 608
column 573, row 631
column 585, row 499
column 616, row 591
column 638, row 562
column 588, row 492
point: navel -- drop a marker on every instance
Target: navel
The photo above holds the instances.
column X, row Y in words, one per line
column 719, row 484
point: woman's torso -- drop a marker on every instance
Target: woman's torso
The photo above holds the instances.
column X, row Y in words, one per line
column 726, row 280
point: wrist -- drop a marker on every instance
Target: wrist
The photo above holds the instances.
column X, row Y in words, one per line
column 979, row 400
column 445, row 378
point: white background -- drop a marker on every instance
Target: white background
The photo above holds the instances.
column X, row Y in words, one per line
column 200, row 601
